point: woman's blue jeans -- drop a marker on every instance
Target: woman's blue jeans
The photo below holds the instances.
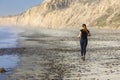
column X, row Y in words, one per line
column 83, row 45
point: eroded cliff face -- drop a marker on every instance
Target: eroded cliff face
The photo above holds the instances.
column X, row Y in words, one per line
column 69, row 13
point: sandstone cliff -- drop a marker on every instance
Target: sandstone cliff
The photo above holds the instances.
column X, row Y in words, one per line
column 69, row 13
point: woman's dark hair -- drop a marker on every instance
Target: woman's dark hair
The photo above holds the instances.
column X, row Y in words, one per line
column 83, row 25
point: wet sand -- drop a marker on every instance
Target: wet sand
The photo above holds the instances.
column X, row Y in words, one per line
column 55, row 55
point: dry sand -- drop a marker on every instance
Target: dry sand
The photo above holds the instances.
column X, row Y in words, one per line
column 55, row 55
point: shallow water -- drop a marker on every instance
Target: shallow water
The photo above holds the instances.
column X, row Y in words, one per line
column 8, row 37
column 13, row 37
column 8, row 62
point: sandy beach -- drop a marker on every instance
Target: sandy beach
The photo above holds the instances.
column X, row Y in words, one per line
column 50, row 54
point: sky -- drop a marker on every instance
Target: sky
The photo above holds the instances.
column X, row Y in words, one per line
column 14, row 7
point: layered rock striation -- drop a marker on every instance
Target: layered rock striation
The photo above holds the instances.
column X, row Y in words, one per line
column 68, row 13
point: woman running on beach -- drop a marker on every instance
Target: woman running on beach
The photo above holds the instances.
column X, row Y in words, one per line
column 84, row 33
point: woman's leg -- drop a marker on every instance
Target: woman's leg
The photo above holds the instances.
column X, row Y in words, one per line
column 82, row 47
column 85, row 46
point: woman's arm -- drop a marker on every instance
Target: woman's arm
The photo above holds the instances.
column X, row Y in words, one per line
column 89, row 34
column 79, row 35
